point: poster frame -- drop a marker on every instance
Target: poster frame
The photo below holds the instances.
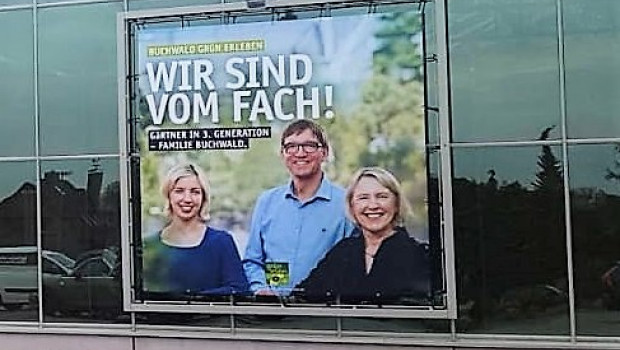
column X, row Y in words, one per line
column 130, row 304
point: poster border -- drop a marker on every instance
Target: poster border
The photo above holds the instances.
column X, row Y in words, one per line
column 127, row 240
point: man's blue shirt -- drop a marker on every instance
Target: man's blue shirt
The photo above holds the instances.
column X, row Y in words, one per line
column 293, row 235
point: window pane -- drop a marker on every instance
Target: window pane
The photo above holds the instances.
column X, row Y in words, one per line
column 81, row 234
column 17, row 88
column 591, row 49
column 14, row 2
column 510, row 240
column 595, row 204
column 326, row 324
column 221, row 323
column 504, row 66
column 395, row 325
column 18, row 243
column 77, row 79
column 153, row 4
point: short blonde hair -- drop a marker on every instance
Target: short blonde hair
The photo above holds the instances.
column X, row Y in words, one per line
column 385, row 179
column 183, row 170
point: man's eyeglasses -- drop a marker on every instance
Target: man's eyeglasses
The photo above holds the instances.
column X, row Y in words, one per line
column 308, row 147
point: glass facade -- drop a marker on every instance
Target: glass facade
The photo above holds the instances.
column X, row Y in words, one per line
column 535, row 183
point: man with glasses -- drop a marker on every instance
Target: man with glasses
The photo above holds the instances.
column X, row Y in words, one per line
column 294, row 225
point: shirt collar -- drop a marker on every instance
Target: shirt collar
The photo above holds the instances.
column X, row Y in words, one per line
column 324, row 191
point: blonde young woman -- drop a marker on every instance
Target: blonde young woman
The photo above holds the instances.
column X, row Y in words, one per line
column 380, row 262
column 188, row 256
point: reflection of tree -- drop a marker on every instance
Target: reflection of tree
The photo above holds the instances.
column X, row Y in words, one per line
column 549, row 178
column 387, row 129
column 511, row 247
column 510, row 241
column 613, row 174
column 596, row 238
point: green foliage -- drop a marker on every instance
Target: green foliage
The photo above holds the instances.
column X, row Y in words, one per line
column 387, row 130
column 399, row 51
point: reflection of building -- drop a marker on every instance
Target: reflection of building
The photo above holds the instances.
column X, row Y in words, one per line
column 18, row 214
column 71, row 221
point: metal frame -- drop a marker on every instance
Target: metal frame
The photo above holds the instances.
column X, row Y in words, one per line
column 232, row 308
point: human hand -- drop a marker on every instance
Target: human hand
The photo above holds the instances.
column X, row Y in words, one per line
column 266, row 292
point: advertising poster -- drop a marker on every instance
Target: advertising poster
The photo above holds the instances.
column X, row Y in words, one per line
column 221, row 213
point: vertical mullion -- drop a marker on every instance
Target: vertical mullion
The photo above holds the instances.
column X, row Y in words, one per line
column 37, row 152
column 565, row 169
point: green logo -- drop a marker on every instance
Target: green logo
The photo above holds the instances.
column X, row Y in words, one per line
column 276, row 274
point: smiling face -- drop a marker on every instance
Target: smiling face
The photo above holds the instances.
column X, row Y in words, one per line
column 186, row 198
column 373, row 206
column 301, row 155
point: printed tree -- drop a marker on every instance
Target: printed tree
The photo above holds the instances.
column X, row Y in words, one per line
column 387, row 128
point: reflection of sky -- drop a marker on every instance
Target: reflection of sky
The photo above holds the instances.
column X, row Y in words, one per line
column 79, row 170
column 509, row 163
column 13, row 175
column 589, row 164
column 506, row 71
column 340, row 47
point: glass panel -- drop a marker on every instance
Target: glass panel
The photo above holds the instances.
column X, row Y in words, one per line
column 12, row 3
column 221, row 323
column 510, row 240
column 591, row 51
column 595, row 204
column 66, row 1
column 430, row 72
column 153, row 4
column 77, row 79
column 395, row 325
column 17, row 88
column 327, row 324
column 18, row 243
column 81, row 237
column 504, row 67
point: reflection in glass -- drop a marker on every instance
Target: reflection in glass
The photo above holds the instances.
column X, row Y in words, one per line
column 510, row 240
column 395, row 325
column 327, row 324
column 591, row 50
column 81, row 233
column 15, row 2
column 18, row 244
column 504, row 67
column 153, row 4
column 220, row 323
column 77, row 79
column 16, row 90
column 595, row 204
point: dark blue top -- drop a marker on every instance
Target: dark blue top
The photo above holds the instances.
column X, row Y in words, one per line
column 213, row 267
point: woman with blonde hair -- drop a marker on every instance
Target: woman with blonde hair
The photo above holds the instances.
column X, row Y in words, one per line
column 188, row 256
column 380, row 262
